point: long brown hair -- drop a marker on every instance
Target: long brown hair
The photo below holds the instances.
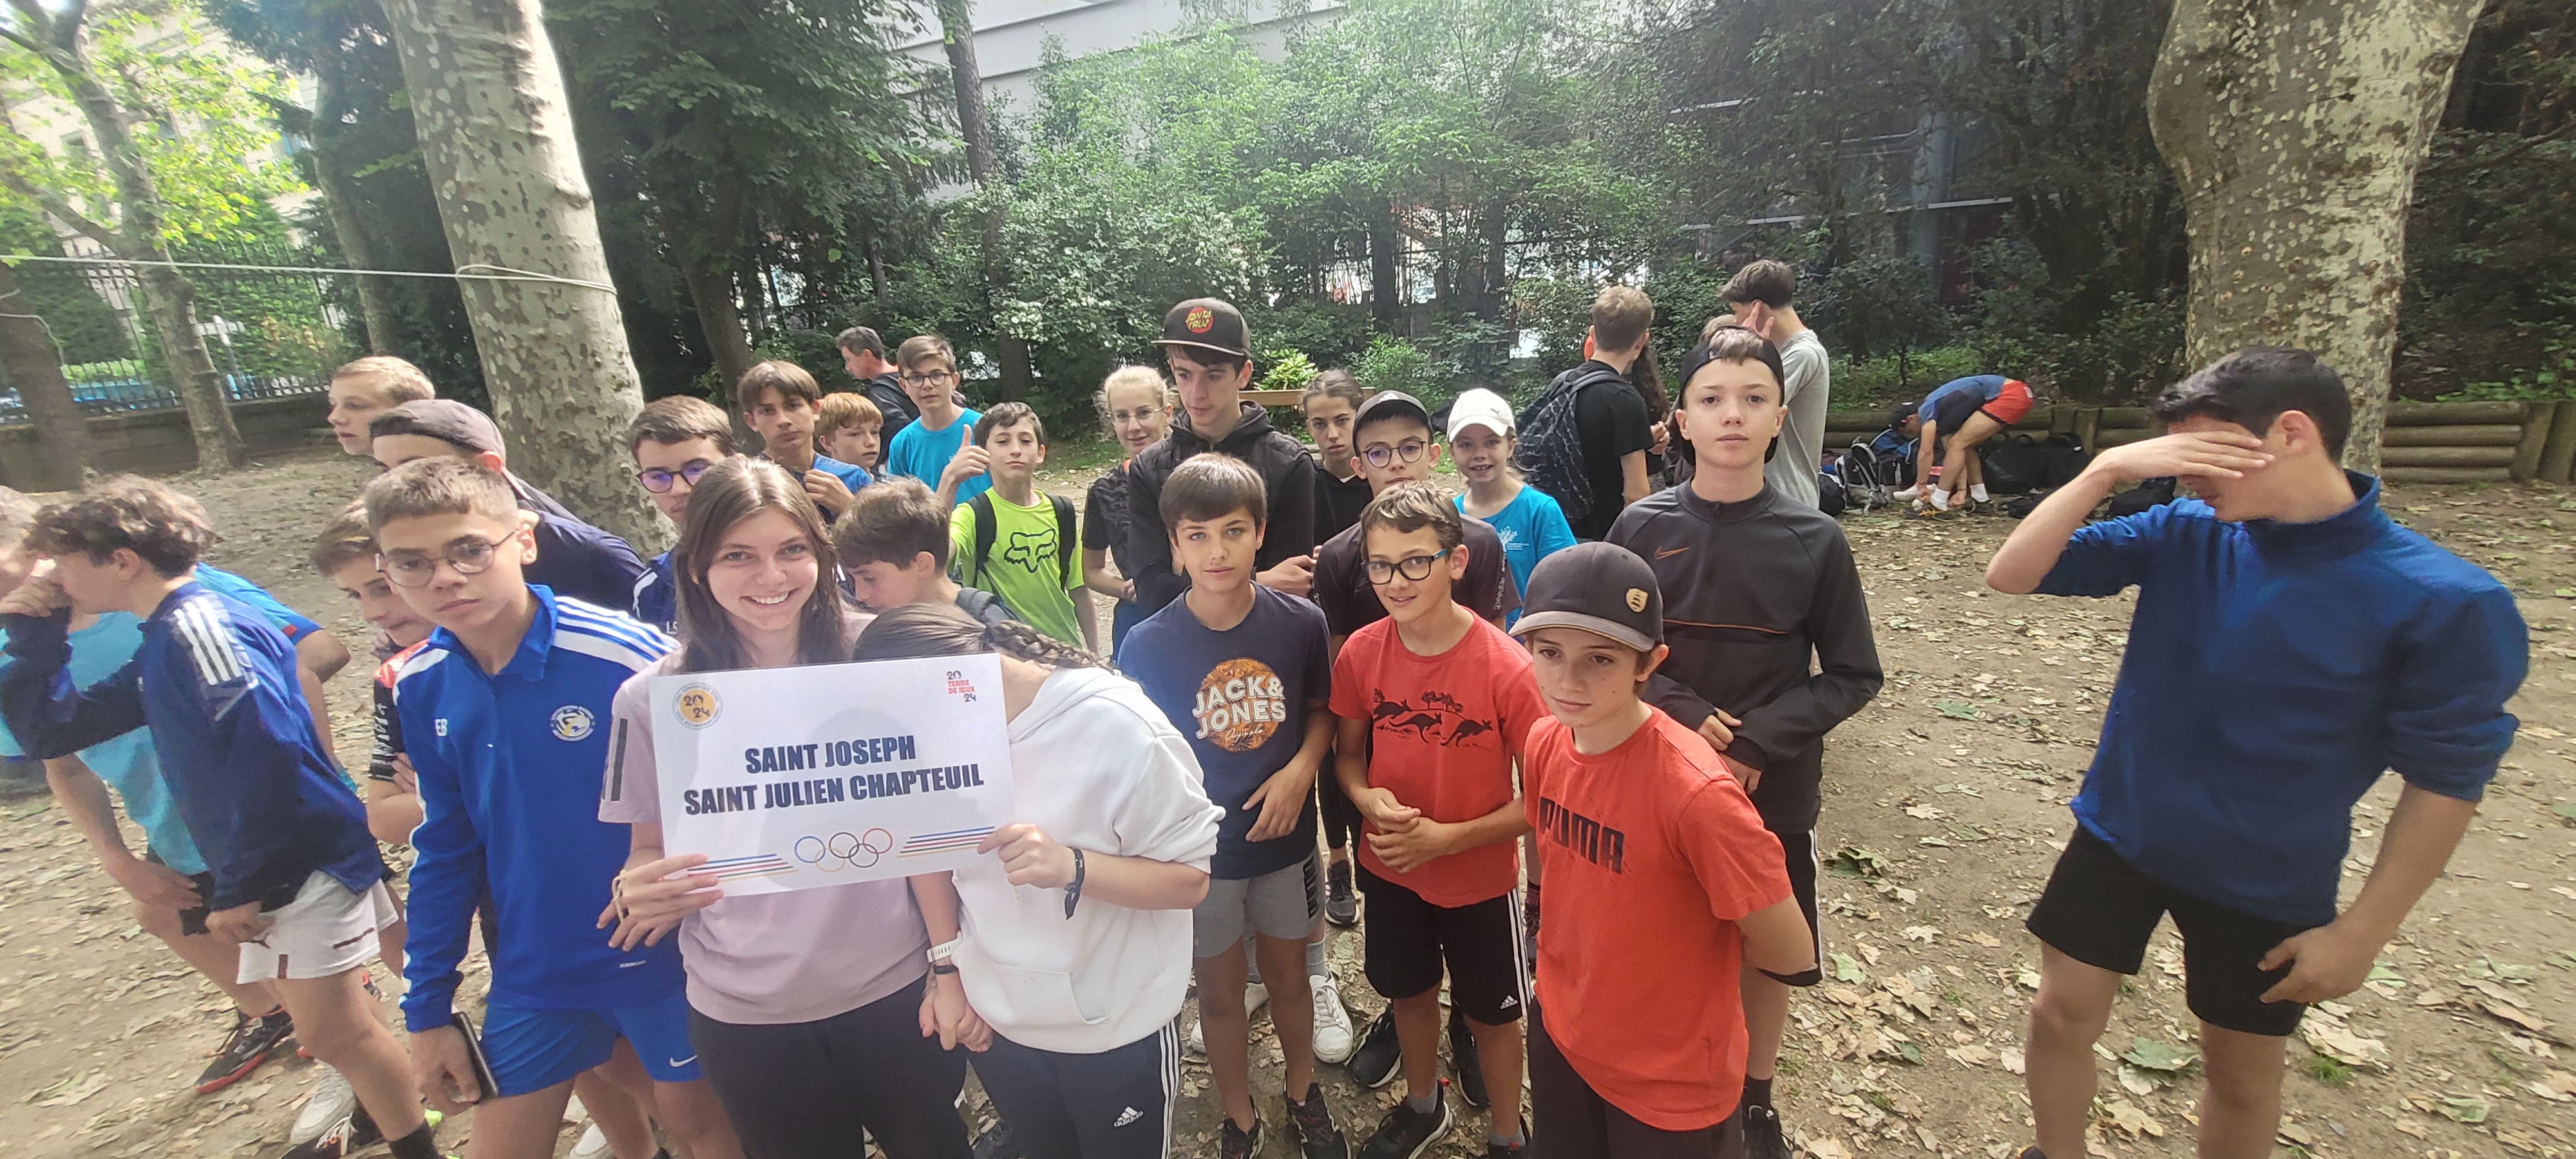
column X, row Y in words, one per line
column 730, row 492
column 916, row 630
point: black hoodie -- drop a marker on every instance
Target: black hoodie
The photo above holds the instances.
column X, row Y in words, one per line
column 1287, row 473
column 1753, row 593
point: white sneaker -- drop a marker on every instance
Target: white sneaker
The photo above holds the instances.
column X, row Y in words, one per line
column 1334, row 1039
column 1908, row 495
column 331, row 1101
column 593, row 1144
column 1255, row 996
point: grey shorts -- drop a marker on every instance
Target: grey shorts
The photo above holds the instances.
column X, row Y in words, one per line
column 1283, row 904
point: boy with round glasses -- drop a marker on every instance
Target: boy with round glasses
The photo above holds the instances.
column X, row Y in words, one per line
column 673, row 441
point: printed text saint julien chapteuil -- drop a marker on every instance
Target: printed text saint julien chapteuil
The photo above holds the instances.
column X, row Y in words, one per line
column 822, row 790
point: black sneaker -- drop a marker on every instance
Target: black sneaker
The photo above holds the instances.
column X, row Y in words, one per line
column 1318, row 1137
column 998, row 1143
column 1406, row 1133
column 1494, row 1150
column 1233, row 1142
column 1341, row 902
column 1762, row 1137
column 1374, row 1064
column 250, row 1043
column 1465, row 1063
column 353, row 1134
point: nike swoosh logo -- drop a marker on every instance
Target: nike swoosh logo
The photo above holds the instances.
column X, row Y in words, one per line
column 1670, row 551
column 680, row 1062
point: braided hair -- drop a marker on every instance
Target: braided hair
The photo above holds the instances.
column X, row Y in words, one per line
column 917, row 630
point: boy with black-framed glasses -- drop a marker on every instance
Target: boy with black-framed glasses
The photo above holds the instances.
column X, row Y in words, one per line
column 1433, row 701
column 1392, row 443
column 673, row 441
column 939, row 448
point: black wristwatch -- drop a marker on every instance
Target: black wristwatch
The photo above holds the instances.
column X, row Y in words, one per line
column 1073, row 889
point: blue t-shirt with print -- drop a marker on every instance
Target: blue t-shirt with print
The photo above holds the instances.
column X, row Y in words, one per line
column 1532, row 527
column 1242, row 697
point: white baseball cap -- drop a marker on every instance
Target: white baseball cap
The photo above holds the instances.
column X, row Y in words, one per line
column 1480, row 408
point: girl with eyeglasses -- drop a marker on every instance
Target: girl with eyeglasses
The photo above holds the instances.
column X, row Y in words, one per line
column 816, row 1014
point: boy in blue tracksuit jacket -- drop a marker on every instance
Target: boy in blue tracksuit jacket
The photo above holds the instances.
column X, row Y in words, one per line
column 294, row 876
column 2291, row 643
column 505, row 714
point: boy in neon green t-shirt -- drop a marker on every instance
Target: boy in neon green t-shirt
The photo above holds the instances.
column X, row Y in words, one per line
column 1014, row 541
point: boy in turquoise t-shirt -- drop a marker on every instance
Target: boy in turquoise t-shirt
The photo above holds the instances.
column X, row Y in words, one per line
column 939, row 448
column 1014, row 541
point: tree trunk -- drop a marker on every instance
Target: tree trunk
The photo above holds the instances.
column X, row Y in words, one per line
column 36, row 369
column 497, row 132
column 2295, row 130
column 707, row 264
column 1383, row 246
column 171, row 299
column 339, row 200
column 137, row 236
column 957, row 26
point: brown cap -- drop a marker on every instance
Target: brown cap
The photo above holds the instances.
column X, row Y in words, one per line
column 1601, row 588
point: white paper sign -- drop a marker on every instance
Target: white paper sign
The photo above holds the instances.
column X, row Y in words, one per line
column 794, row 778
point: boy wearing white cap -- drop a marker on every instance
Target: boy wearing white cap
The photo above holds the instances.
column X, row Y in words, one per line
column 1531, row 525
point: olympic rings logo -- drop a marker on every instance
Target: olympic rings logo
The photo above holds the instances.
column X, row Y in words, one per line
column 844, row 850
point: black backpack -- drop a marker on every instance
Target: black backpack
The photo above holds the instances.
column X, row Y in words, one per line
column 2145, row 496
column 1067, row 548
column 1551, row 444
column 2020, row 464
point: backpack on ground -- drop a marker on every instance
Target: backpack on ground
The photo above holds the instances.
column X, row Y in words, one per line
column 2021, row 464
column 1869, row 477
column 2152, row 493
column 1832, row 497
column 988, row 528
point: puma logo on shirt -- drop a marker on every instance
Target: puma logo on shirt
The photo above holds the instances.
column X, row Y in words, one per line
column 1589, row 839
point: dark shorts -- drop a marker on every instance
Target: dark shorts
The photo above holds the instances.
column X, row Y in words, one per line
column 1799, row 851
column 1580, row 1124
column 2101, row 911
column 1407, row 939
column 805, row 1090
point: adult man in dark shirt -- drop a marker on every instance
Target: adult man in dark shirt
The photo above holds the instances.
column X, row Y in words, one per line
column 1209, row 352
column 1770, row 637
column 1612, row 431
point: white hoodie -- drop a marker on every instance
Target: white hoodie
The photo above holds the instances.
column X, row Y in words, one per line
column 1099, row 768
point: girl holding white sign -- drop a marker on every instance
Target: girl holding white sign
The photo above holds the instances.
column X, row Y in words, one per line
column 815, row 1013
column 1075, row 947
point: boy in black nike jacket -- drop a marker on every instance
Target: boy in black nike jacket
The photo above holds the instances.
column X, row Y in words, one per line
column 1755, row 586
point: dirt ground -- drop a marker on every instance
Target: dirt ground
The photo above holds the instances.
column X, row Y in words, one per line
column 1946, row 797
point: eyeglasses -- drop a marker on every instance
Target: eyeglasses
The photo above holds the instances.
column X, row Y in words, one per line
column 933, row 378
column 658, row 481
column 1410, row 451
column 1417, row 567
column 411, row 569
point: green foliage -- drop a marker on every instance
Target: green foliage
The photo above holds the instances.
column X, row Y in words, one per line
column 1879, row 307
column 200, row 117
column 1395, row 364
column 1863, row 383
column 1290, row 372
column 85, row 327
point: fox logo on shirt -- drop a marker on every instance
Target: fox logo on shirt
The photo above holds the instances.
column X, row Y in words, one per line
column 1240, row 705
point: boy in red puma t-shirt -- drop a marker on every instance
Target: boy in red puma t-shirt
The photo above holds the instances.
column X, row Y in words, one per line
column 1660, row 877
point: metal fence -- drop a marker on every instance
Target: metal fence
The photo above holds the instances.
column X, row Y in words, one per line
column 273, row 333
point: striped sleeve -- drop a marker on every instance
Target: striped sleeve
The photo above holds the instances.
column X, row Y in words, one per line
column 204, row 632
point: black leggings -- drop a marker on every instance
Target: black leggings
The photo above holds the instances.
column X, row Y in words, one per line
column 803, row 1090
column 1116, row 1104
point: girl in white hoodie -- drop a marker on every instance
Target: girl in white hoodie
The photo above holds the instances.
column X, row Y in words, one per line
column 1074, row 943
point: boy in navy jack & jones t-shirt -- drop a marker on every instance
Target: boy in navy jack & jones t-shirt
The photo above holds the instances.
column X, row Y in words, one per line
column 2291, row 643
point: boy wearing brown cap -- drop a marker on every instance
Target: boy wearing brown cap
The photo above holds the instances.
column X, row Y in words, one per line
column 1209, row 352
column 1643, row 836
